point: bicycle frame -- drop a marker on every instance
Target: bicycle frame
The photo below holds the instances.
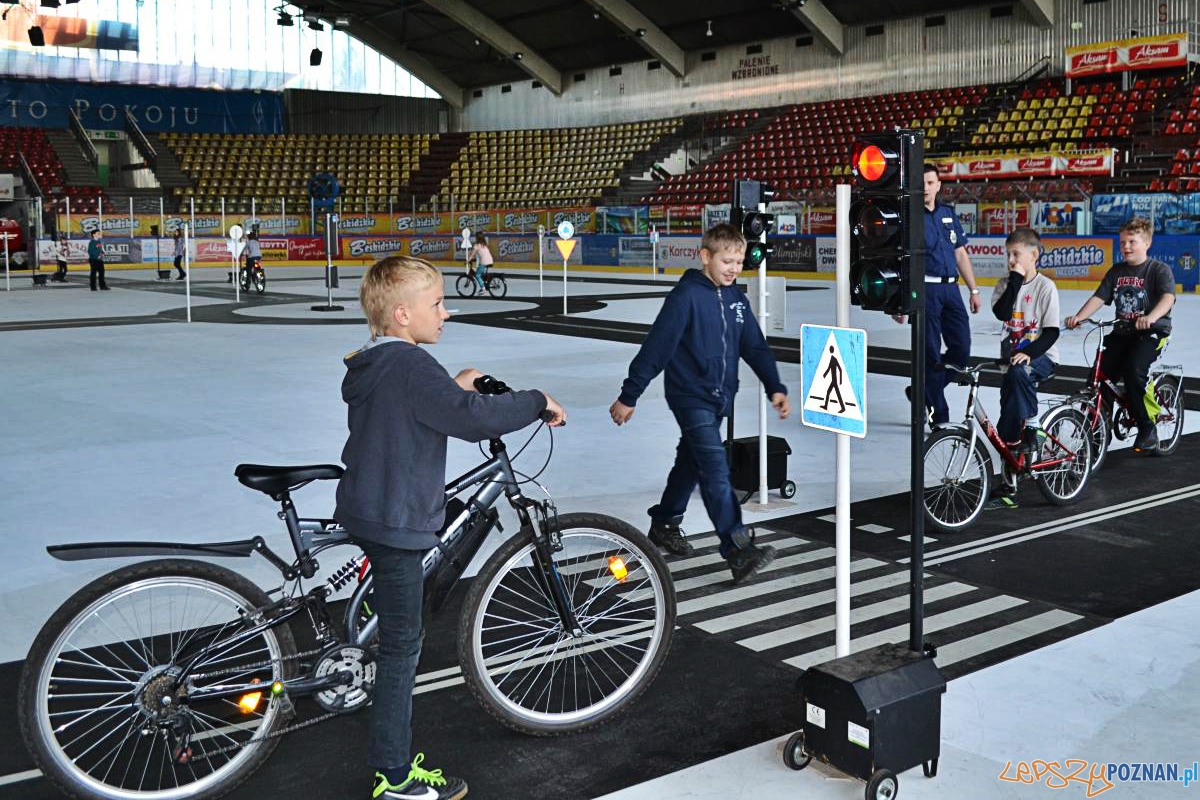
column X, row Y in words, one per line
column 1092, row 393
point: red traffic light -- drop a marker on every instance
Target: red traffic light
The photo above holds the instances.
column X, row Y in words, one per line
column 874, row 163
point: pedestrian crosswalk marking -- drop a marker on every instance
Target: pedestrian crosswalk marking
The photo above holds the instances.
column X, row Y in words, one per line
column 759, row 588
column 981, row 643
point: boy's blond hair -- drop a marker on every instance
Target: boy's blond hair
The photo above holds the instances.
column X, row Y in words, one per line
column 390, row 282
column 1027, row 237
column 721, row 237
column 1138, row 225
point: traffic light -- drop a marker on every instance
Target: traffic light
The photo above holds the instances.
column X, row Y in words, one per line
column 754, row 224
column 887, row 223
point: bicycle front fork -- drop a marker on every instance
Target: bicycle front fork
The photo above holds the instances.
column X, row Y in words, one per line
column 546, row 542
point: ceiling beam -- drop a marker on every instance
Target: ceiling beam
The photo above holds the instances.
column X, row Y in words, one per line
column 411, row 60
column 490, row 31
column 824, row 25
column 1042, row 12
column 651, row 37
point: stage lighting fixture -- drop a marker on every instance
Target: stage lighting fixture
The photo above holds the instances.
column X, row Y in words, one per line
column 641, row 32
column 36, row 37
column 709, row 31
column 341, row 21
column 314, row 58
column 50, row 4
column 314, row 23
column 285, row 20
column 517, row 56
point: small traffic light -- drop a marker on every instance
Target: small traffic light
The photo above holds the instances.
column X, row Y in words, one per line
column 887, row 225
column 744, row 214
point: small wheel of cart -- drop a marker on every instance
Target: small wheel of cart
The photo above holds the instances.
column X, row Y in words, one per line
column 793, row 752
column 929, row 768
column 884, row 785
column 787, row 489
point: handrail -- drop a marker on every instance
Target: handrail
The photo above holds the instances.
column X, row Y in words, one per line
column 1032, row 72
column 147, row 151
column 27, row 174
column 85, row 143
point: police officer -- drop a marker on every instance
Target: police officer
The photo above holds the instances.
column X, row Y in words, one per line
column 946, row 262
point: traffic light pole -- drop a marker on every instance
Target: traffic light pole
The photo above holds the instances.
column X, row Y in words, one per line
column 841, row 555
column 916, row 461
column 762, row 397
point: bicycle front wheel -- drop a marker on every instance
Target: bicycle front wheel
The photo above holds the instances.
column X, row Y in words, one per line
column 99, row 705
column 1064, row 462
column 465, row 286
column 957, row 478
column 1168, row 391
column 244, row 278
column 527, row 670
column 260, row 281
column 497, row 286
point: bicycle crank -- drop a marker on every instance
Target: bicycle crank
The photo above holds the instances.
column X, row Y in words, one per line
column 356, row 668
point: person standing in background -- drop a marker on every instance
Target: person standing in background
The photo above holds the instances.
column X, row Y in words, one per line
column 179, row 248
column 96, row 261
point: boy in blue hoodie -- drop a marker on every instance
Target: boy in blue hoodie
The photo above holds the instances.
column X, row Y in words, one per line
column 402, row 406
column 703, row 329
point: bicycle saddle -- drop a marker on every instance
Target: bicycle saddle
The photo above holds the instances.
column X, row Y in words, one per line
column 274, row 480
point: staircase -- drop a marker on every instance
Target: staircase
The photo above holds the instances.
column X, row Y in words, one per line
column 169, row 173
column 434, row 167
column 76, row 169
column 632, row 187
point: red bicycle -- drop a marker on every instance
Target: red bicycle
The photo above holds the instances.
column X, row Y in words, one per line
column 1108, row 410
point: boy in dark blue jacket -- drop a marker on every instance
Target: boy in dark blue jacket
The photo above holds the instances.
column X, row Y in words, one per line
column 402, row 404
column 704, row 327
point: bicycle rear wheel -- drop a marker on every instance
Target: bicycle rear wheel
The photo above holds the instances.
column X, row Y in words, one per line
column 100, row 709
column 530, row 673
column 957, row 479
column 465, row 286
column 497, row 286
column 244, row 277
column 260, row 280
column 1168, row 391
column 1068, row 443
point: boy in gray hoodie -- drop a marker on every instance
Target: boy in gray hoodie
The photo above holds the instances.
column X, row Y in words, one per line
column 402, row 405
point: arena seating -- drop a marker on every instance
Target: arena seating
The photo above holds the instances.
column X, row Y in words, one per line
column 549, row 167
column 47, row 170
column 370, row 168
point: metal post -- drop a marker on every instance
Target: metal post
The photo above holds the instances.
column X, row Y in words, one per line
column 131, row 216
column 312, row 216
column 329, row 306
column 841, row 565
column 187, row 269
column 7, row 279
column 192, row 214
column 391, row 216
column 253, row 214
column 654, row 253
column 234, row 260
column 162, row 229
column 282, row 216
column 68, row 218
column 224, row 227
column 763, row 314
column 541, row 258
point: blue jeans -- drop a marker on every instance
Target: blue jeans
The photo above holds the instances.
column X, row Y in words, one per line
column 398, row 585
column 1018, row 396
column 700, row 459
column 945, row 320
column 481, row 274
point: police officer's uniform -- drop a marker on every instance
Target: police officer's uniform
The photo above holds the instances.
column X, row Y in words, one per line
column 945, row 314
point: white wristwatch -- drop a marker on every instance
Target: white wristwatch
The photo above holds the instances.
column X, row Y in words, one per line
column 974, row 291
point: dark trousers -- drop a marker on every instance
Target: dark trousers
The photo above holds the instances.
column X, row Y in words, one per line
column 61, row 274
column 700, row 459
column 945, row 320
column 1018, row 396
column 97, row 266
column 1128, row 357
column 397, row 588
column 179, row 265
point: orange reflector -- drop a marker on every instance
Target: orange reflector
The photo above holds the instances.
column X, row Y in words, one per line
column 249, row 702
column 871, row 163
column 616, row 565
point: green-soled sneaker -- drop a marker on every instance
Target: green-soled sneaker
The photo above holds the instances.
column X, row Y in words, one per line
column 1001, row 502
column 421, row 784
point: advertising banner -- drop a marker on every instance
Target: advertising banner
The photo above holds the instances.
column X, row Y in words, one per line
column 821, row 219
column 1123, row 55
column 205, row 224
column 102, row 106
column 76, row 251
column 122, row 251
column 1057, row 216
column 599, row 249
column 999, row 217
column 634, row 251
column 433, row 248
column 212, row 251
column 1077, row 258
column 968, row 216
column 1181, row 254
column 988, row 257
column 158, row 250
column 475, row 220
column 1175, row 215
column 308, row 248
column 1027, row 165
column 584, row 219
column 677, row 219
column 421, row 223
column 521, row 220
column 679, row 251
column 715, row 215
column 624, row 219
column 826, row 254
column 274, row 249
column 797, row 253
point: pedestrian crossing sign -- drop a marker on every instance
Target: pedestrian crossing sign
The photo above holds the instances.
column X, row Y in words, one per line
column 833, row 379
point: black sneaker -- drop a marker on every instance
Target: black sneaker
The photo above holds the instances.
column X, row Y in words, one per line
column 422, row 784
column 669, row 537
column 746, row 562
column 1146, row 441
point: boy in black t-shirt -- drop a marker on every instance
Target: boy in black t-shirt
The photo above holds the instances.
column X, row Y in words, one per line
column 1142, row 290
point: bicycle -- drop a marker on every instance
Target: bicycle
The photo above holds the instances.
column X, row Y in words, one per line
column 253, row 273
column 495, row 283
column 1107, row 408
column 958, row 468
column 175, row 678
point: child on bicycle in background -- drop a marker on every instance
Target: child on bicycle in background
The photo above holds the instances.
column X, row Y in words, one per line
column 1143, row 291
column 1026, row 301
column 402, row 404
column 481, row 254
column 702, row 332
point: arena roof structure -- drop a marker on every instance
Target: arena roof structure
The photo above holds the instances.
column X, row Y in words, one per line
column 454, row 45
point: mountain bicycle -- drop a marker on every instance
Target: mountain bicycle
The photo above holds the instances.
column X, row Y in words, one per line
column 1107, row 409
column 175, row 678
column 253, row 274
column 958, row 468
column 468, row 285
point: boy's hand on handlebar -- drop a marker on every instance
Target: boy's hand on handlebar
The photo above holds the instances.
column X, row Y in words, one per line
column 781, row 403
column 466, row 379
column 1142, row 323
column 620, row 412
column 555, row 415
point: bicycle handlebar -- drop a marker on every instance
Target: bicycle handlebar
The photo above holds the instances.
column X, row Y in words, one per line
column 486, row 384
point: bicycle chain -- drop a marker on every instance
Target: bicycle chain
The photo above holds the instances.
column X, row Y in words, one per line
column 209, row 755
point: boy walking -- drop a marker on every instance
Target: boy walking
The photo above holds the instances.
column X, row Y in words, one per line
column 1026, row 301
column 702, row 331
column 402, row 407
column 1143, row 291
column 96, row 261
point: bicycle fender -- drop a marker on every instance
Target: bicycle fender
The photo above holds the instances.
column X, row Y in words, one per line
column 93, row 550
